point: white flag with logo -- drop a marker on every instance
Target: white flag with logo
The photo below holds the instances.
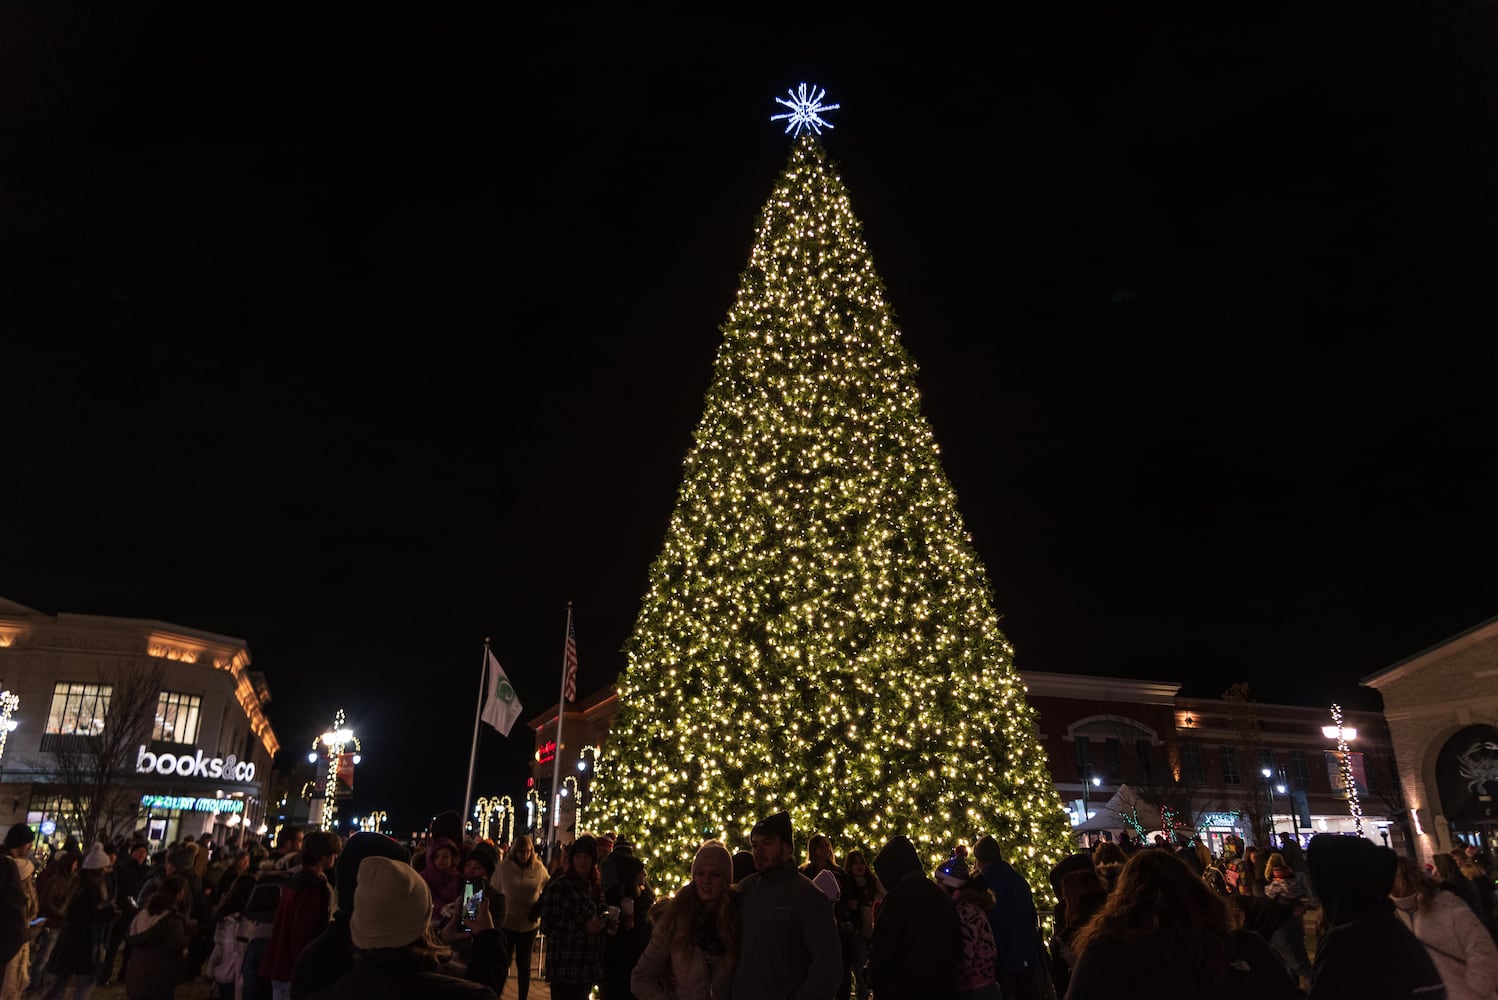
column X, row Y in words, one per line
column 501, row 707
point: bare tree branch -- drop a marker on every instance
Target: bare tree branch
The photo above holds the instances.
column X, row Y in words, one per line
column 95, row 772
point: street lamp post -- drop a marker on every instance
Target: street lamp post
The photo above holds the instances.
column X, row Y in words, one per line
column 333, row 742
column 1284, row 788
column 1269, row 794
column 1343, row 735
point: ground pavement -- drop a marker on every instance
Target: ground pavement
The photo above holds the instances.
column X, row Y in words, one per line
column 206, row 991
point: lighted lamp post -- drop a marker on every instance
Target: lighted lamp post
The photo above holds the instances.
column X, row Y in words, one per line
column 333, row 742
column 1344, row 735
column 535, row 811
column 8, row 704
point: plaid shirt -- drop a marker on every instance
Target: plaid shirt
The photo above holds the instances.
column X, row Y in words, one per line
column 572, row 954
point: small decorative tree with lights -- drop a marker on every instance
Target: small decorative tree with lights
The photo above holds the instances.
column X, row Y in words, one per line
column 819, row 634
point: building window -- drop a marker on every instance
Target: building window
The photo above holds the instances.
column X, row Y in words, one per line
column 1191, row 761
column 1084, row 759
column 1300, row 771
column 1146, row 770
column 1266, row 762
column 176, row 718
column 1115, row 761
column 78, row 708
column 1229, row 758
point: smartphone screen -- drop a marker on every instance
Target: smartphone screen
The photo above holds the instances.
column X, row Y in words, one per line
column 473, row 892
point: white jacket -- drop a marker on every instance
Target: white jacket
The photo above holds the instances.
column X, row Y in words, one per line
column 522, row 888
column 228, row 951
column 1458, row 943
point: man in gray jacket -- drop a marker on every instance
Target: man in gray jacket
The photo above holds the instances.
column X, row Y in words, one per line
column 788, row 943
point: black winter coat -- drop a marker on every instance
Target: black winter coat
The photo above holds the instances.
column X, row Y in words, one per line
column 399, row 974
column 331, row 956
column 917, row 942
column 86, row 910
column 158, row 960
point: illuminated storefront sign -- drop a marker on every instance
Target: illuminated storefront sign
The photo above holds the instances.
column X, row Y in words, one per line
column 194, row 765
column 187, row 803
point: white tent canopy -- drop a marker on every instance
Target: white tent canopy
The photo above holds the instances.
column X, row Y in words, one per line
column 1110, row 815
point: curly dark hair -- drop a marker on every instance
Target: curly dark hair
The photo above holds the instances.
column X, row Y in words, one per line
column 1158, row 897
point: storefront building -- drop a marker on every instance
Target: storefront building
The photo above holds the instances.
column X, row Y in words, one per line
column 1117, row 748
column 195, row 759
column 1442, row 708
column 572, row 761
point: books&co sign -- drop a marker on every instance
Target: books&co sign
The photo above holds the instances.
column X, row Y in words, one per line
column 194, row 765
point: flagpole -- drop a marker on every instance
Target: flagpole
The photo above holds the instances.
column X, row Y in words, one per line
column 473, row 752
column 556, row 761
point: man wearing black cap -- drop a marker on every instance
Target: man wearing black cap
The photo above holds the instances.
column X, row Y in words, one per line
column 788, row 943
column 1013, row 920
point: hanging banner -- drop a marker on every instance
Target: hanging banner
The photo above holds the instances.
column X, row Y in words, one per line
column 1302, row 807
column 344, row 787
column 1334, row 773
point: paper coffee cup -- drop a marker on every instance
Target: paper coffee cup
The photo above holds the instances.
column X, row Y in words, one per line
column 627, row 906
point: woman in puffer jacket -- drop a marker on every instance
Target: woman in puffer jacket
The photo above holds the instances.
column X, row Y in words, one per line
column 1453, row 936
column 691, row 950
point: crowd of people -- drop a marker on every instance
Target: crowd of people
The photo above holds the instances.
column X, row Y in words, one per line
column 320, row 917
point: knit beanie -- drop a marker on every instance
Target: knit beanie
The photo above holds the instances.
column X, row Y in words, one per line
column 365, row 844
column 778, row 825
column 184, row 857
column 392, row 905
column 487, row 855
column 96, row 859
column 712, row 854
column 18, row 835
column 986, row 850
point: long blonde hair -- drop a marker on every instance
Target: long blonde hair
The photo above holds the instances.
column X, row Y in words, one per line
column 678, row 917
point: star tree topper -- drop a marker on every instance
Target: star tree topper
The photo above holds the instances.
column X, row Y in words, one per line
column 806, row 110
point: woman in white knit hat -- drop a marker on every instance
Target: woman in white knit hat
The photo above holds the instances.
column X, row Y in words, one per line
column 692, row 949
column 396, row 956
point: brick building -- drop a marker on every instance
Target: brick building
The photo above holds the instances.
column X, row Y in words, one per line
column 1115, row 745
column 1442, row 708
column 1119, row 747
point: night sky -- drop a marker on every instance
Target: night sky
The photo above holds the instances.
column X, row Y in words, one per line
column 363, row 337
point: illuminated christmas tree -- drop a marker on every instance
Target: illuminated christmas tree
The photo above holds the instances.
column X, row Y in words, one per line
column 819, row 634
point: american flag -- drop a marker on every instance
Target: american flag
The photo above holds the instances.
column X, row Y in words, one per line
column 569, row 661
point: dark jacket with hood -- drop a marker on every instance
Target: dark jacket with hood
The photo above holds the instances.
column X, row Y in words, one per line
column 1012, row 918
column 401, row 974
column 1368, row 952
column 917, row 942
column 158, row 953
